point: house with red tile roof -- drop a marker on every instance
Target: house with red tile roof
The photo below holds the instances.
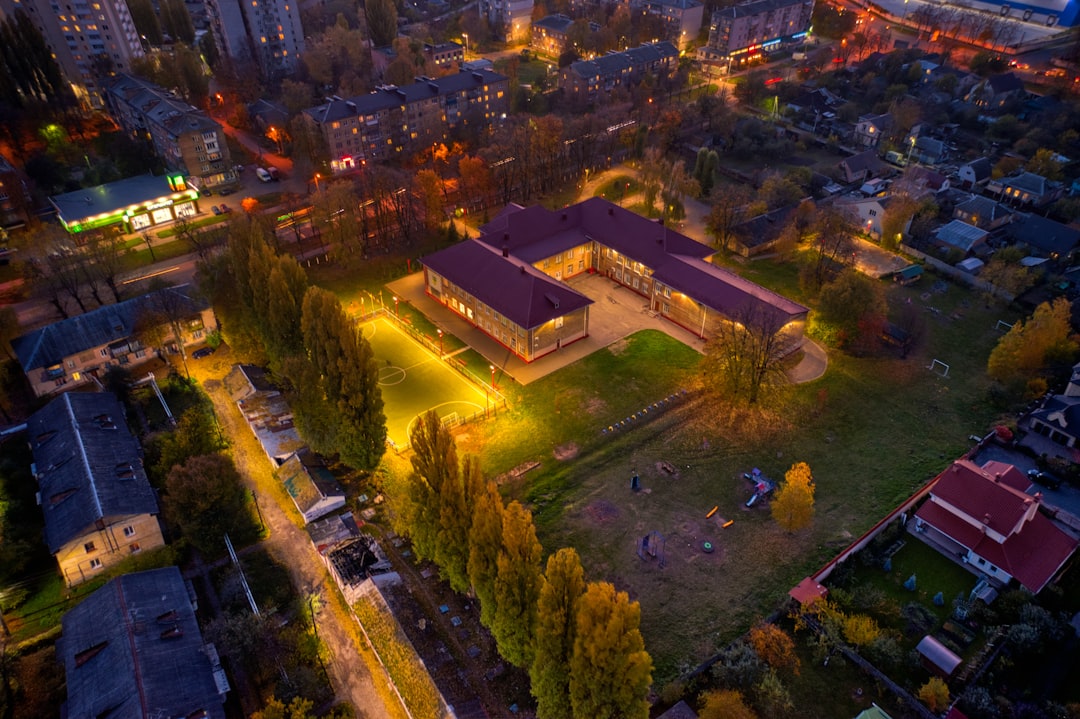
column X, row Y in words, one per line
column 510, row 281
column 984, row 516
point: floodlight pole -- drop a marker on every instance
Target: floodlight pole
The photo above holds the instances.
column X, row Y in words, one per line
column 440, row 344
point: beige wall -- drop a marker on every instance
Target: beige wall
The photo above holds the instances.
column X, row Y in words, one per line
column 111, row 544
column 564, row 265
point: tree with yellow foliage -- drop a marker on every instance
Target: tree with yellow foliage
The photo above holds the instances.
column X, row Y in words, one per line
column 860, row 630
column 935, row 695
column 1033, row 347
column 775, row 647
column 793, row 507
column 726, row 704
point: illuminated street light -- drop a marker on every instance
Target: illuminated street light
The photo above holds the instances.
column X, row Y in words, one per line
column 492, row 376
column 465, row 36
column 317, row 178
column 440, row 345
column 396, row 306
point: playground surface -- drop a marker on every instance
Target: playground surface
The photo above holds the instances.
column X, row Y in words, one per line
column 413, row 381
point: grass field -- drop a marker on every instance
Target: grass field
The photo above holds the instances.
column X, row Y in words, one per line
column 413, row 381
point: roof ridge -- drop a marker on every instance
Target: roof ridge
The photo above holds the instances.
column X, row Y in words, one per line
column 82, row 452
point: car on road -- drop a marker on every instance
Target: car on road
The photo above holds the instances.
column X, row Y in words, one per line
column 202, row 352
column 226, row 191
column 1046, row 479
column 223, row 209
column 263, row 175
column 215, row 209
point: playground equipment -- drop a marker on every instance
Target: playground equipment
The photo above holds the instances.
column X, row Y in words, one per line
column 763, row 486
column 712, row 512
column 652, row 546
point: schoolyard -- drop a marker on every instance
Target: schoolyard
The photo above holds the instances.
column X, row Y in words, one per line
column 413, row 381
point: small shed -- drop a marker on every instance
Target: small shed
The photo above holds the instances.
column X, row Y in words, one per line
column 808, row 591
column 937, row 658
column 971, row 265
column 908, row 275
column 681, row 710
column 874, row 712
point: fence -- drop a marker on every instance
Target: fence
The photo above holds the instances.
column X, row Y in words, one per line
column 958, row 275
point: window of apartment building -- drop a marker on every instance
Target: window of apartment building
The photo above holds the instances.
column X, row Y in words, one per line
column 135, row 548
column 129, row 531
column 89, row 547
column 104, row 352
column 95, row 564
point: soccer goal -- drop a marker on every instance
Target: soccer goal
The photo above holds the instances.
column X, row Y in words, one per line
column 940, row 368
column 451, row 420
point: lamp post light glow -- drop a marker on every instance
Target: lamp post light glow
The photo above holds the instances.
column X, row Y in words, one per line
column 465, row 36
column 396, row 306
column 440, row 345
column 317, row 178
column 492, row 376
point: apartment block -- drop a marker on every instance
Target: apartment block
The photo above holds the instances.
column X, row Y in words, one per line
column 267, row 33
column 750, row 29
column 394, row 119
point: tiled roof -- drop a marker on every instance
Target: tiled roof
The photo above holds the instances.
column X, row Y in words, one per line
column 866, row 160
column 512, row 287
column 764, row 228
column 961, row 235
column 614, row 63
column 308, row 481
column 1035, row 184
column 982, row 207
column 1062, row 412
column 1005, row 82
column 391, row 97
column 556, row 23
column 980, row 168
column 1033, row 551
column 49, row 345
column 89, row 465
column 133, row 649
column 159, row 105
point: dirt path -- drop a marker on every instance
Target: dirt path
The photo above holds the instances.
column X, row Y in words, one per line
column 289, row 545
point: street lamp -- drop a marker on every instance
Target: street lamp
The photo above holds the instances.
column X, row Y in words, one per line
column 395, row 306
column 440, row 345
column 317, row 178
column 465, row 36
column 492, row 376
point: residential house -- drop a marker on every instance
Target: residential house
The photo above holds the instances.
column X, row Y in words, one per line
column 15, row 200
column 1030, row 190
column 550, row 35
column 509, row 282
column 866, row 212
column 444, row 54
column 748, row 30
column 265, row 410
column 918, row 182
column 358, row 565
column 757, row 235
column 983, row 517
column 681, row 710
column 265, row 114
column 870, row 129
column 997, row 92
column 78, row 350
column 133, row 649
column 1044, row 237
column 310, row 484
column 929, row 150
column 265, row 35
column 98, row 504
column 392, row 120
column 983, row 212
column 185, row 138
column 682, row 19
column 861, row 166
column 959, row 235
column 975, row 174
column 586, row 80
column 1054, row 428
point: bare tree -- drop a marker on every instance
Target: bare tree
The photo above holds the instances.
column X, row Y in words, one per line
column 744, row 358
column 104, row 263
column 727, row 211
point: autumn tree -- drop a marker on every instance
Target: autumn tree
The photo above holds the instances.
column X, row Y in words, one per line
column 743, row 358
column 725, row 704
column 517, row 587
column 793, row 506
column 855, row 304
column 205, row 498
column 561, row 588
column 1035, row 347
column 485, row 540
column 287, row 284
column 829, row 249
column 775, row 647
column 381, row 18
column 860, row 630
column 610, row 671
column 934, row 694
column 728, row 209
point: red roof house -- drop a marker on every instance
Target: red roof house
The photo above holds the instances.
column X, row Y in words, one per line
column 985, row 517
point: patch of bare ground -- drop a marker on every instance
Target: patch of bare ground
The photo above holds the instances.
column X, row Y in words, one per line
column 618, row 347
column 595, row 406
column 566, row 451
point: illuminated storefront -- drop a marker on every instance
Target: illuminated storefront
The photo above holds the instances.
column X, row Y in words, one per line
column 136, row 203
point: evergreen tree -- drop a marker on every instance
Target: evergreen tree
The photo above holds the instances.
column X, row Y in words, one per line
column 287, row 285
column 435, row 466
column 455, row 521
column 176, row 20
column 561, row 588
column 485, row 540
column 381, row 16
column 517, row 587
column 610, row 671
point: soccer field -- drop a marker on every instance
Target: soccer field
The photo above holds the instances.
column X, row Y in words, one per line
column 413, row 381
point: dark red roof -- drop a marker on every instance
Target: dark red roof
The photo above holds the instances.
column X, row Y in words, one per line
column 1033, row 550
column 524, row 295
column 808, row 591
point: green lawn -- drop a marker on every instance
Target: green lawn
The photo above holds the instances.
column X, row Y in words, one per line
column 413, row 381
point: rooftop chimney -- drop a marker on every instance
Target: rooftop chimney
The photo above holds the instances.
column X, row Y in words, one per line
column 506, row 251
column 611, row 211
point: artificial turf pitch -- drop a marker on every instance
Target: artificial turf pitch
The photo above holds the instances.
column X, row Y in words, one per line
column 413, row 381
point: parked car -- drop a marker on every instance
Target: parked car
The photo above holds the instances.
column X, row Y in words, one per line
column 225, row 209
column 262, row 174
column 215, row 209
column 1046, row 479
column 202, row 352
column 275, row 174
column 226, row 191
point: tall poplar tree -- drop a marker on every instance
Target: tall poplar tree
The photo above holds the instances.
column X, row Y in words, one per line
column 146, row 21
column 561, row 588
column 435, row 466
column 517, row 587
column 610, row 671
column 485, row 541
column 793, row 507
column 287, row 285
column 455, row 521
